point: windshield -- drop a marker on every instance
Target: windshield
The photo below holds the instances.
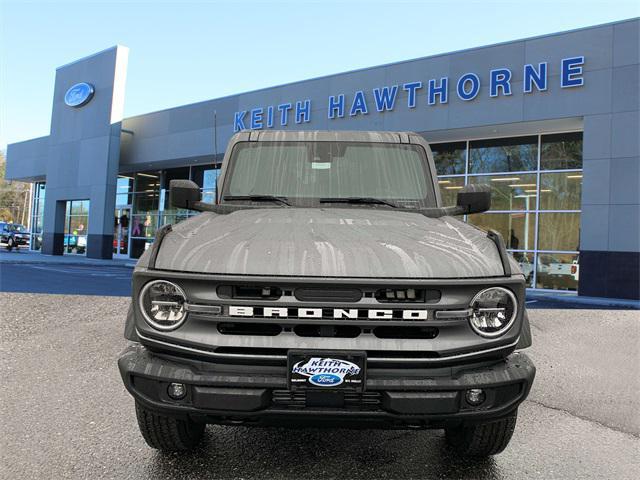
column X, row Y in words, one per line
column 312, row 173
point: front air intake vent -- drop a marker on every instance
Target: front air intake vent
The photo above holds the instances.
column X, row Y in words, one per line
column 263, row 329
column 407, row 295
column 335, row 331
column 345, row 295
column 250, row 292
column 406, row 332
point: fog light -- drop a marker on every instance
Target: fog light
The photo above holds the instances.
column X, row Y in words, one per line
column 177, row 391
column 475, row 396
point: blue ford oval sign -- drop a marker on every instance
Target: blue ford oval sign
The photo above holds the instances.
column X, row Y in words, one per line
column 325, row 380
column 78, row 95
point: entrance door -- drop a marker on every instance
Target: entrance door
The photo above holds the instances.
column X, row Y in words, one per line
column 121, row 232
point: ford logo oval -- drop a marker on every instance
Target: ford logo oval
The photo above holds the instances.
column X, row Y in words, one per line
column 325, row 380
column 78, row 95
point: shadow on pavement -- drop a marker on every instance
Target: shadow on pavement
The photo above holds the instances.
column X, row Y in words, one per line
column 353, row 454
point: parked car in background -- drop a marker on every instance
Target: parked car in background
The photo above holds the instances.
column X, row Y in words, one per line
column 555, row 272
column 13, row 235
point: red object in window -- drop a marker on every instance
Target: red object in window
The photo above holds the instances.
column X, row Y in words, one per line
column 574, row 269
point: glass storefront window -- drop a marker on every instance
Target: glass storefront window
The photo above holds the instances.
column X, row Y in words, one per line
column 517, row 229
column 205, row 176
column 558, row 271
column 510, row 192
column 78, row 207
column 146, row 202
column 174, row 218
column 559, row 231
column 37, row 215
column 147, row 181
column 561, row 151
column 124, row 187
column 144, row 225
column 209, row 196
column 449, row 188
column 450, row 158
column 527, row 265
column 560, row 191
column 39, row 206
column 76, row 227
column 503, row 155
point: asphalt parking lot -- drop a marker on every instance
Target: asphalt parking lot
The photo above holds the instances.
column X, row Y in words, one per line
column 66, row 279
column 65, row 414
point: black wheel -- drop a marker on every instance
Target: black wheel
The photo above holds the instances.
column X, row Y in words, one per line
column 484, row 439
column 167, row 433
column 10, row 244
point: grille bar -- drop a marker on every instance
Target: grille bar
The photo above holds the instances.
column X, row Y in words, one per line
column 351, row 400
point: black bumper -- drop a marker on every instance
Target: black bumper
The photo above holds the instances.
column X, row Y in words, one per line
column 396, row 398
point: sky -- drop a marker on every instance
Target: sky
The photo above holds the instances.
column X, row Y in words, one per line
column 188, row 51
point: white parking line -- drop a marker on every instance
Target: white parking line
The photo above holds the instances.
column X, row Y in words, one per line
column 79, row 271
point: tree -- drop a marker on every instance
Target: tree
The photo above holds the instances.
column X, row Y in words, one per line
column 14, row 197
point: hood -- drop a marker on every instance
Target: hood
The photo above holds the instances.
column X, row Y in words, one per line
column 329, row 242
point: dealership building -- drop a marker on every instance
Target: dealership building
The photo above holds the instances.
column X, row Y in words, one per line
column 551, row 123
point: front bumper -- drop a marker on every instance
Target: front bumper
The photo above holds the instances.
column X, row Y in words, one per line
column 395, row 398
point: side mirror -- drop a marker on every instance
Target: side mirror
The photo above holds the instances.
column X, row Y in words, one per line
column 184, row 194
column 474, row 199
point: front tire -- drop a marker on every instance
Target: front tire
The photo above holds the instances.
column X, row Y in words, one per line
column 168, row 434
column 482, row 440
column 10, row 244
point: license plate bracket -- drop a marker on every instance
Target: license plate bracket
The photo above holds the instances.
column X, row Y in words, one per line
column 326, row 370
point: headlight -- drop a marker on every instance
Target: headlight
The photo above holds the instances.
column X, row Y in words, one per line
column 493, row 311
column 162, row 304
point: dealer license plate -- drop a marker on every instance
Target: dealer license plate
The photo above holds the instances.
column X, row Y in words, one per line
column 327, row 370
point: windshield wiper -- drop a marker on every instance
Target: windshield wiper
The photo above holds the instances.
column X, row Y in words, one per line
column 362, row 200
column 258, row 198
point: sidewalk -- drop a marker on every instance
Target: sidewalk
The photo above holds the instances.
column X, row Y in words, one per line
column 27, row 256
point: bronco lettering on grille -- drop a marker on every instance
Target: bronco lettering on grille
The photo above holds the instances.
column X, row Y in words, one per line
column 336, row 313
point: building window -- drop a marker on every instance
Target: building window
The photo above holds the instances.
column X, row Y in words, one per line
column 37, row 215
column 510, row 192
column 124, row 191
column 449, row 188
column 517, row 154
column 560, row 191
column 145, row 201
column 559, row 271
column 536, row 186
column 450, row 158
column 76, row 225
column 559, row 231
column 561, row 151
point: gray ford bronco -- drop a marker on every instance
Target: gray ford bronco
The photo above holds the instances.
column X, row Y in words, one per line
column 328, row 285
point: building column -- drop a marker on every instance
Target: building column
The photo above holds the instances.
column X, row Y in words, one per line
column 610, row 220
column 53, row 231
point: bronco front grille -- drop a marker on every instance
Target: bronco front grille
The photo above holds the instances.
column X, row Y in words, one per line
column 382, row 319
